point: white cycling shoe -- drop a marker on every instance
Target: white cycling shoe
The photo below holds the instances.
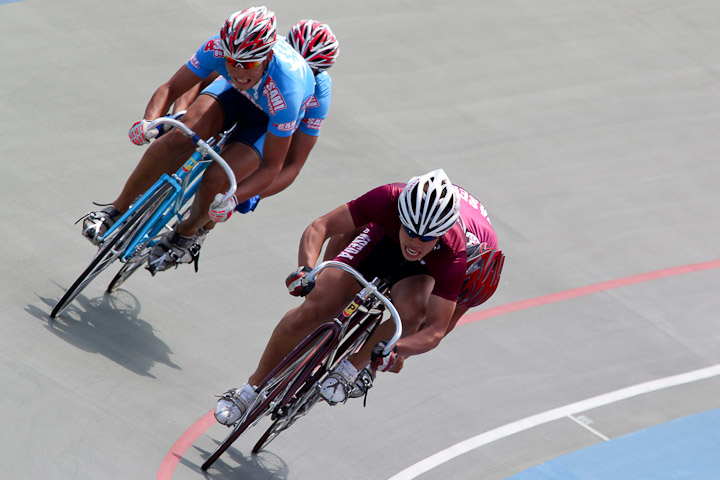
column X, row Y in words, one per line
column 96, row 224
column 337, row 386
column 234, row 404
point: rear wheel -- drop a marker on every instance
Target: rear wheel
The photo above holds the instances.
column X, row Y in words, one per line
column 111, row 249
column 130, row 267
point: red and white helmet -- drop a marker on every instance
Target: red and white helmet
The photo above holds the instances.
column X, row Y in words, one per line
column 249, row 34
column 315, row 42
column 429, row 204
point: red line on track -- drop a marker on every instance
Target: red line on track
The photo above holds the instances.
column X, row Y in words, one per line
column 590, row 289
column 171, row 460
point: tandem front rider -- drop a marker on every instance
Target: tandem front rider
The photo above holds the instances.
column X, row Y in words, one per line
column 413, row 238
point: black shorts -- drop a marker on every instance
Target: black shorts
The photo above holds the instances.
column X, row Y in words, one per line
column 252, row 122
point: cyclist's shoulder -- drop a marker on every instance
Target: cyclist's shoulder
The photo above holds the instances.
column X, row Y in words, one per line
column 211, row 48
column 388, row 192
column 208, row 57
column 289, row 71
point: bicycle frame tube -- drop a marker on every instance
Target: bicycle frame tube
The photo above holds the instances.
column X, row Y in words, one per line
column 165, row 213
column 337, row 328
column 333, row 327
column 186, row 175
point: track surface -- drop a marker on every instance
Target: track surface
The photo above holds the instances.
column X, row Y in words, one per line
column 588, row 130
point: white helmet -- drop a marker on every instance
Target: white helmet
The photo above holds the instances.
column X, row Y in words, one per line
column 429, row 204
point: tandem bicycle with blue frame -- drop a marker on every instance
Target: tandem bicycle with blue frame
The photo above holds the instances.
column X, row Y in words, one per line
column 131, row 238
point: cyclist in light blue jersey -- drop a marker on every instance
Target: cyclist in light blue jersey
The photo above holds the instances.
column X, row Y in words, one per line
column 319, row 47
column 265, row 86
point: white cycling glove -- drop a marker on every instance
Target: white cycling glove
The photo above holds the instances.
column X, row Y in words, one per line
column 221, row 210
column 139, row 133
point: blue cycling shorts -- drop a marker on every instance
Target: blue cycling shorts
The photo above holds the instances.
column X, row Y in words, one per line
column 252, row 121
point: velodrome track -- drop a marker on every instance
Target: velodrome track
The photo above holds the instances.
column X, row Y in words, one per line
column 589, row 131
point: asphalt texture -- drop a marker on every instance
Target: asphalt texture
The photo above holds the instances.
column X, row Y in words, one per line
column 588, row 130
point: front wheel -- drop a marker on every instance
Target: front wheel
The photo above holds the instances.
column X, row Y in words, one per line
column 283, row 381
column 111, row 249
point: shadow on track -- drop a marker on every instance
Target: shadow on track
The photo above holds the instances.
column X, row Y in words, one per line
column 234, row 464
column 109, row 326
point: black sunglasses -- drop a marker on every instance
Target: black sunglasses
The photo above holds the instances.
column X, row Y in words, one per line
column 423, row 238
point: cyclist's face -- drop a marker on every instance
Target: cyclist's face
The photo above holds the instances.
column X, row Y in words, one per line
column 414, row 249
column 245, row 78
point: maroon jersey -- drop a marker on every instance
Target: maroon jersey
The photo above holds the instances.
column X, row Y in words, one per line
column 446, row 263
column 474, row 221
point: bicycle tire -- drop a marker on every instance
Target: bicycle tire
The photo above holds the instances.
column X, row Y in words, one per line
column 301, row 404
column 281, row 424
column 107, row 253
column 300, row 360
column 138, row 259
column 130, row 267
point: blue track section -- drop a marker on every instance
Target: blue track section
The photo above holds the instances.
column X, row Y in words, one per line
column 9, row 1
column 687, row 448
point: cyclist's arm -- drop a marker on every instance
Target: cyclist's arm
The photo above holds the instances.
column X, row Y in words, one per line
column 274, row 152
column 300, row 147
column 459, row 312
column 187, row 98
column 334, row 223
column 159, row 104
column 439, row 313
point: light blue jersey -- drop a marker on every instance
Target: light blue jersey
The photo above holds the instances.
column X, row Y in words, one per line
column 319, row 105
column 284, row 92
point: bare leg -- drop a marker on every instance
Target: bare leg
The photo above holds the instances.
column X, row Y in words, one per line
column 165, row 154
column 410, row 297
column 332, row 291
column 459, row 312
column 243, row 160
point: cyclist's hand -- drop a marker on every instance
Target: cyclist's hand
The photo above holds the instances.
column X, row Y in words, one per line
column 248, row 205
column 297, row 284
column 398, row 364
column 221, row 210
column 139, row 133
column 165, row 128
column 379, row 360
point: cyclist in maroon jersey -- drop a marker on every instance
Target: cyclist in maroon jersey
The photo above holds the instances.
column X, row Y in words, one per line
column 411, row 236
column 482, row 275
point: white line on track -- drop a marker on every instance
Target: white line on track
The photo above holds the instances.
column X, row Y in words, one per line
column 552, row 415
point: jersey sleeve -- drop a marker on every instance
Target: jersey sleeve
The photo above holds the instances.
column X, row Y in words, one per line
column 372, row 206
column 208, row 59
column 318, row 107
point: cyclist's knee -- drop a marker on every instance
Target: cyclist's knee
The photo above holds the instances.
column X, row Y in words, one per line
column 413, row 312
column 215, row 179
column 300, row 321
column 171, row 144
